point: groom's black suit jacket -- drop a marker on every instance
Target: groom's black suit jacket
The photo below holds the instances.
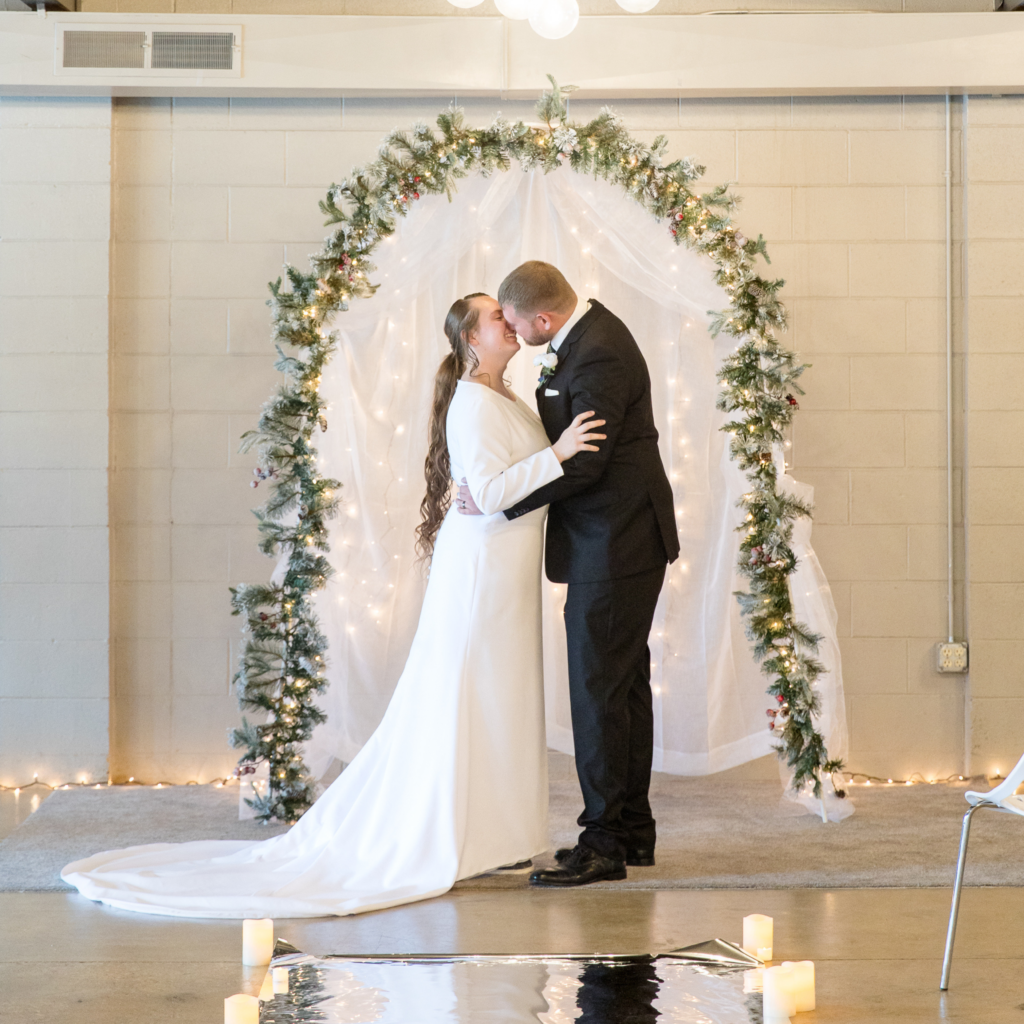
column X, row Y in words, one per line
column 612, row 513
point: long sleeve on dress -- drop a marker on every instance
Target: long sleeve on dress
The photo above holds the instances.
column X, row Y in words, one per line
column 484, row 456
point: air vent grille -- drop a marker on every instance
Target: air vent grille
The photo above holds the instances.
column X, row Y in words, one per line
column 141, row 50
column 197, row 51
column 105, row 49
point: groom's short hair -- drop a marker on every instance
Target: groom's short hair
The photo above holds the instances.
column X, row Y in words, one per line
column 536, row 287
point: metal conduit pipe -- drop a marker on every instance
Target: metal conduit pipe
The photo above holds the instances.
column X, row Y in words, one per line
column 953, row 656
column 948, row 175
column 965, row 405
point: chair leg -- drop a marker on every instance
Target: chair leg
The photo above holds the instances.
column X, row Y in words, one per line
column 955, row 908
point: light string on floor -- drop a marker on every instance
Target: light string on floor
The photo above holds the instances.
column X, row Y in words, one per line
column 132, row 781
column 282, row 663
column 844, row 777
column 914, row 779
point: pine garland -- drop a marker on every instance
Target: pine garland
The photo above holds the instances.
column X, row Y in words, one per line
column 282, row 660
column 282, row 663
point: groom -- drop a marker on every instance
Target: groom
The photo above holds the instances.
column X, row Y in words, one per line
column 610, row 533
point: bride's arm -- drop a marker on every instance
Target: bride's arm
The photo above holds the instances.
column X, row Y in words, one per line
column 494, row 480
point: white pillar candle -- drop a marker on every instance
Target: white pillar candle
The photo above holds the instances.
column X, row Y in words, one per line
column 753, row 980
column 803, row 983
column 757, row 935
column 779, row 1001
column 241, row 1009
column 281, row 979
column 257, row 942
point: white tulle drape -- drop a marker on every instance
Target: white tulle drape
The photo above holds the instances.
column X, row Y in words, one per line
column 709, row 695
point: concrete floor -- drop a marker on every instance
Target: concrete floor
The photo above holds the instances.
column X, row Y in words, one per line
column 64, row 959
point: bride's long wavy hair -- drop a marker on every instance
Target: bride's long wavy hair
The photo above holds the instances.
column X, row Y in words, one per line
column 460, row 322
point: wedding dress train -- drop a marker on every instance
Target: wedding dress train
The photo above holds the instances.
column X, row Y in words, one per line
column 454, row 780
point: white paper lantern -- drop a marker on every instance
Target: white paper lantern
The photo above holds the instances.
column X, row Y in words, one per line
column 637, row 6
column 517, row 10
column 465, row 3
column 554, row 19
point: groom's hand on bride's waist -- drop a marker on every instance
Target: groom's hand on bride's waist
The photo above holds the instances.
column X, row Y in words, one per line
column 464, row 501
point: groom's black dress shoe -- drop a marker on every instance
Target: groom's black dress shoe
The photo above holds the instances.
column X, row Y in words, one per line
column 580, row 867
column 638, row 858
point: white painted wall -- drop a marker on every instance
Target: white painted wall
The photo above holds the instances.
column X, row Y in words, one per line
column 54, row 551
column 208, row 197
column 211, row 195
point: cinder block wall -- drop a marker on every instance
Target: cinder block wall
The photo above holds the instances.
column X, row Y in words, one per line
column 995, row 374
column 210, row 197
column 204, row 214
column 850, row 194
column 54, row 556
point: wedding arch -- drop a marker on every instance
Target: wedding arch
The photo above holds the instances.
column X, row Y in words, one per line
column 283, row 663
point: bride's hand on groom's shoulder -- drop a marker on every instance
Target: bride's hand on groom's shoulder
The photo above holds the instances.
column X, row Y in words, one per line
column 464, row 501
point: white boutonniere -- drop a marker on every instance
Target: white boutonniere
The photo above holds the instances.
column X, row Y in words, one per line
column 548, row 362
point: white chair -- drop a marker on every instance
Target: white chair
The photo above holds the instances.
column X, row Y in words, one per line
column 1001, row 798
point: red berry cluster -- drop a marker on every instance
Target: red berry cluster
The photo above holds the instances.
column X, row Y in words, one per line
column 262, row 474
column 773, row 713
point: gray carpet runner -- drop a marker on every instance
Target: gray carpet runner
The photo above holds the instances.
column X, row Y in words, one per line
column 712, row 835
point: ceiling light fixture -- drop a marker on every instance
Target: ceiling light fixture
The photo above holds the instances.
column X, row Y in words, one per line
column 555, row 19
column 516, row 10
column 551, row 19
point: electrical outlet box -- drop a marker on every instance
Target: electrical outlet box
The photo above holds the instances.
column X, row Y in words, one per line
column 952, row 657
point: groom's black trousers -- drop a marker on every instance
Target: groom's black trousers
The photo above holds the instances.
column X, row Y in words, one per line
column 607, row 625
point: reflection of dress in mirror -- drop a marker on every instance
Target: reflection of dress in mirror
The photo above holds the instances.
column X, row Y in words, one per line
column 454, row 780
column 458, row 991
column 349, row 997
column 505, row 993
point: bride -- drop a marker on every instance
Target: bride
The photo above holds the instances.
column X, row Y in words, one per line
column 454, row 780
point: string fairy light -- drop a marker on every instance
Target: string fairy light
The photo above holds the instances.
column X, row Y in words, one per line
column 110, row 784
column 867, row 780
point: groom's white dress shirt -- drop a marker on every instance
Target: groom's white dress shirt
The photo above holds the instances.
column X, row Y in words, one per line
column 563, row 331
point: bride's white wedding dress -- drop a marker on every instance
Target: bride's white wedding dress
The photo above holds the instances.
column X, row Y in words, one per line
column 454, row 780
